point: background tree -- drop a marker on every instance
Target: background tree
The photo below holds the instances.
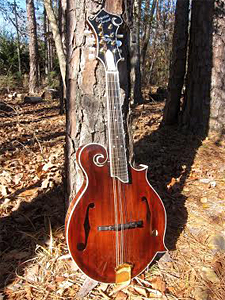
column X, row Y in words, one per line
column 202, row 111
column 178, row 63
column 33, row 48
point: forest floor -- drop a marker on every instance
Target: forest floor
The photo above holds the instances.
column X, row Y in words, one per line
column 188, row 174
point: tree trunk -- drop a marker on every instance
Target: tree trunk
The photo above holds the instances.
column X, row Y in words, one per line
column 57, row 38
column 135, row 67
column 62, row 30
column 18, row 37
column 45, row 42
column 33, row 47
column 217, row 105
column 178, row 64
column 147, row 35
column 86, row 102
column 196, row 107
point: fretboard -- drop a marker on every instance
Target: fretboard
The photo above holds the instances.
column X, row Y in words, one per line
column 117, row 149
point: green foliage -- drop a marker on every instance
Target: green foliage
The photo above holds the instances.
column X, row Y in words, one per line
column 53, row 79
column 9, row 55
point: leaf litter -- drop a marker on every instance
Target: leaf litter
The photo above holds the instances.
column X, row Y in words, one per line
column 34, row 260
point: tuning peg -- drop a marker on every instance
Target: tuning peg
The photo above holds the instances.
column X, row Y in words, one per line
column 120, row 36
column 119, row 43
column 87, row 32
column 92, row 49
column 91, row 56
column 90, row 41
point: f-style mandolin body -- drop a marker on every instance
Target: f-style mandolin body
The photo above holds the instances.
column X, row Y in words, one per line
column 109, row 222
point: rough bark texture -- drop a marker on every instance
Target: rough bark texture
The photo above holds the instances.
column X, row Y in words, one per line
column 86, row 101
column 178, row 64
column 135, row 68
column 33, row 47
column 196, row 109
column 217, row 106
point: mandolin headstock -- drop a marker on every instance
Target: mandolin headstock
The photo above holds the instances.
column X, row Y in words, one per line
column 105, row 27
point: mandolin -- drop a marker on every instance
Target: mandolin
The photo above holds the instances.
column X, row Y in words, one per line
column 116, row 223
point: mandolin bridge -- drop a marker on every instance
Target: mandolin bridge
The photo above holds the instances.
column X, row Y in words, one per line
column 119, row 227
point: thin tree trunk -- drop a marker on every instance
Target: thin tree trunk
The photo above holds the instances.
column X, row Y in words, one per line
column 18, row 37
column 62, row 29
column 135, row 68
column 33, row 47
column 178, row 64
column 57, row 39
column 45, row 43
column 147, row 34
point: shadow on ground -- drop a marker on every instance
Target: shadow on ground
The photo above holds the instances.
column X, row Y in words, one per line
column 169, row 156
column 26, row 228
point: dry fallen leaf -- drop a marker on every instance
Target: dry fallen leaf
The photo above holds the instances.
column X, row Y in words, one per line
column 121, row 296
column 158, row 284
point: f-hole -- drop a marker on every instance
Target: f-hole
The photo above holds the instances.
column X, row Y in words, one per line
column 82, row 246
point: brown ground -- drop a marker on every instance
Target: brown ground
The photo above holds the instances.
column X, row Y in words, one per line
column 188, row 174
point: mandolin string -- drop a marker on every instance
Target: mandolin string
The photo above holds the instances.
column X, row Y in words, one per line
column 119, row 183
column 116, row 156
column 110, row 91
column 118, row 161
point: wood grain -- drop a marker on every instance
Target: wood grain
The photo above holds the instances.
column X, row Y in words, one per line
column 137, row 200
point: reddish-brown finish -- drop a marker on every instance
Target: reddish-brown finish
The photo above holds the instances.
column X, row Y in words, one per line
column 98, row 260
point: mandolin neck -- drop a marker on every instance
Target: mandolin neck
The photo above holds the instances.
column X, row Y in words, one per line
column 117, row 149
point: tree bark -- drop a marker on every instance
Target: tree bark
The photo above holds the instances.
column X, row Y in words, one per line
column 217, row 105
column 86, row 101
column 135, row 64
column 18, row 37
column 33, row 47
column 196, row 107
column 62, row 30
column 57, row 38
column 178, row 64
column 147, row 34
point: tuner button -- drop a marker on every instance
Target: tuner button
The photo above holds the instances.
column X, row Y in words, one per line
column 101, row 33
column 110, row 26
column 119, row 43
column 112, row 34
column 87, row 32
column 100, row 26
column 119, row 36
column 91, row 56
column 101, row 50
column 92, row 49
column 102, row 42
column 113, row 43
column 90, row 41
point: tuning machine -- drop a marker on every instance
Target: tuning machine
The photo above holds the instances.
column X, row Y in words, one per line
column 87, row 32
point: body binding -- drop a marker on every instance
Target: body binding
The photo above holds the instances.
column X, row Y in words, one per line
column 93, row 235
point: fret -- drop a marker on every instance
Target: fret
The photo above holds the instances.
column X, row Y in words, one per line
column 117, row 150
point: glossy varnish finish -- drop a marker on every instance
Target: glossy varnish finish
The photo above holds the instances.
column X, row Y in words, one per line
column 94, row 251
